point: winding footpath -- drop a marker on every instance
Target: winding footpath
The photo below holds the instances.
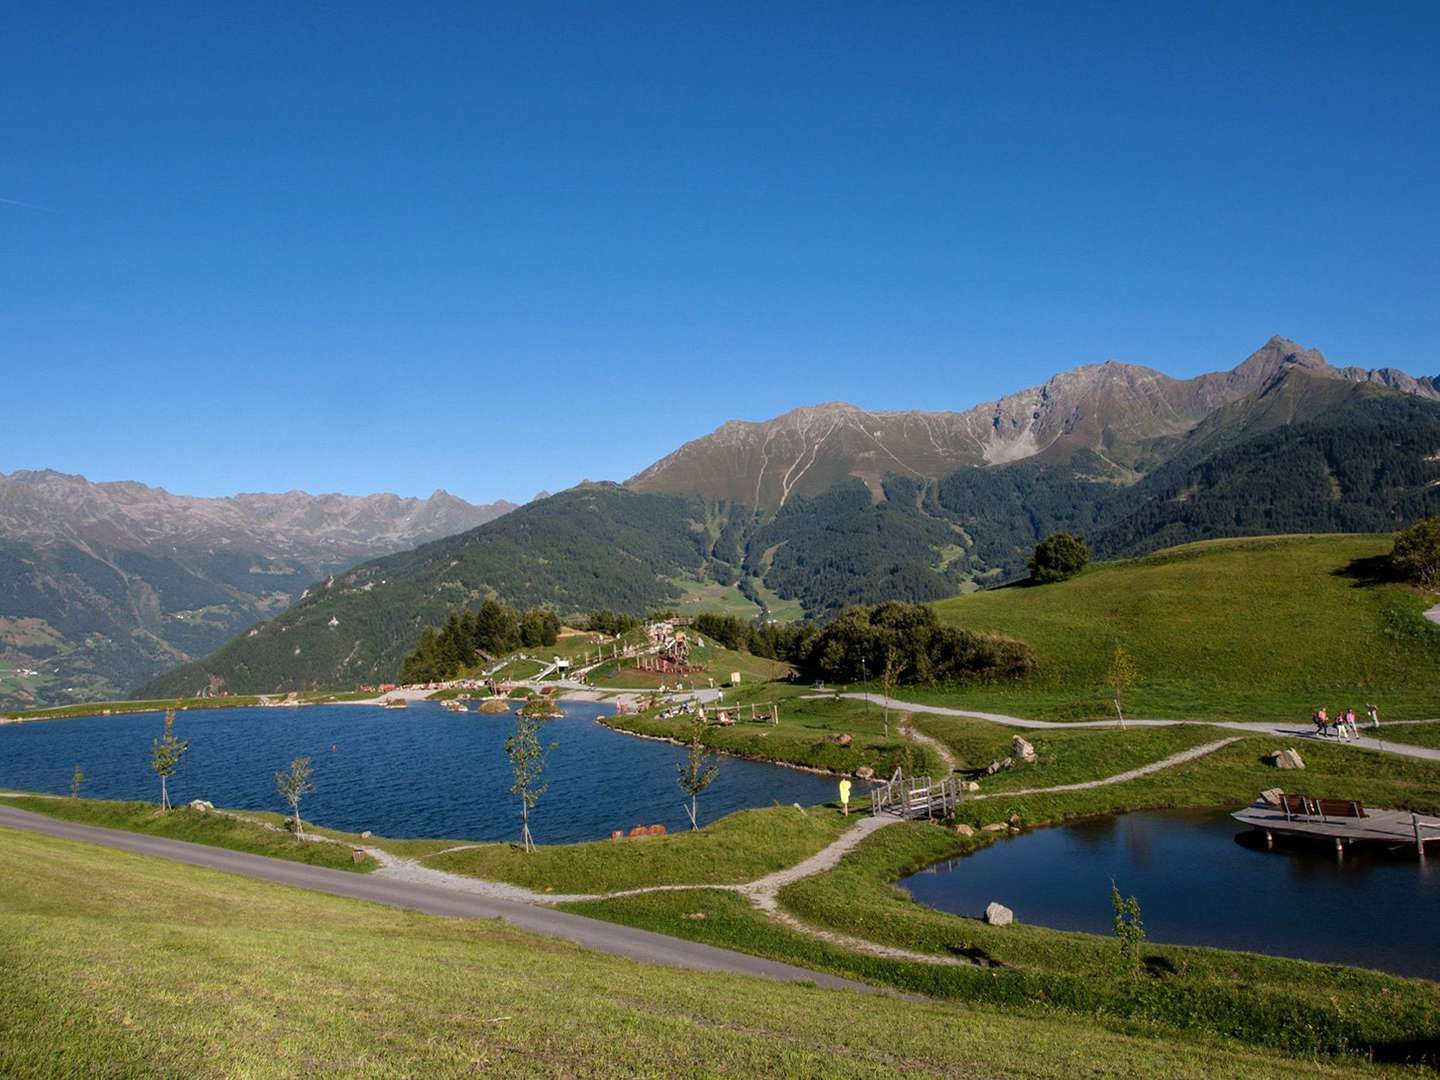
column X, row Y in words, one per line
column 1279, row 731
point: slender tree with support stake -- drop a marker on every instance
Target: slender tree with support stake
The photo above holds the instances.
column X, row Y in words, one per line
column 294, row 784
column 527, row 762
column 1121, row 677
column 697, row 772
column 165, row 755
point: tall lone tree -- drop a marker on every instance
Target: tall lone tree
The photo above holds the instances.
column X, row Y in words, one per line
column 165, row 755
column 527, row 762
column 294, row 784
column 697, row 772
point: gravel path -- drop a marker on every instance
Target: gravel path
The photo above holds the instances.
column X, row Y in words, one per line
column 1280, row 731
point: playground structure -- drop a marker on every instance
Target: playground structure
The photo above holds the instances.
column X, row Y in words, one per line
column 672, row 652
column 916, row 797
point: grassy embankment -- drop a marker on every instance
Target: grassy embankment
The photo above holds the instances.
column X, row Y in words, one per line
column 1305, row 1008
column 1261, row 629
column 236, row 701
column 804, row 736
column 119, row 965
column 233, row 830
column 737, row 848
column 1426, row 734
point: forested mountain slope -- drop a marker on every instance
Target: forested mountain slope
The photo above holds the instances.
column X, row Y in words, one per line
column 1308, row 448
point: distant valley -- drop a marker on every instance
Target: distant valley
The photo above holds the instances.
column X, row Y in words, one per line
column 105, row 585
column 833, row 505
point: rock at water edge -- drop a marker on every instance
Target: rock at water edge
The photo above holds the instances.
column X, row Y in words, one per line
column 997, row 914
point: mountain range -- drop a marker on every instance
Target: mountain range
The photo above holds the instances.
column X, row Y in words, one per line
column 834, row 504
column 104, row 585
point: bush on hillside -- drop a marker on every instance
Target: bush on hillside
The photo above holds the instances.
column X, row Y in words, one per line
column 1057, row 557
column 1416, row 555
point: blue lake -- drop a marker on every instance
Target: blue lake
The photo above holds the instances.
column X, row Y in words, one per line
column 418, row 772
column 1203, row 879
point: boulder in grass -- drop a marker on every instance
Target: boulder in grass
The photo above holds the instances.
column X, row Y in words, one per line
column 842, row 740
column 1022, row 749
column 965, row 830
column 864, row 772
column 997, row 914
column 1285, row 759
column 1272, row 797
column 201, row 805
column 995, row 826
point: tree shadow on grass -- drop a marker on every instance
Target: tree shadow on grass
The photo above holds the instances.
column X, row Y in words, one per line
column 1368, row 572
column 1422, row 1051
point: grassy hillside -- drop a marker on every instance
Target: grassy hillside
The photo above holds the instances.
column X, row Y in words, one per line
column 1261, row 629
column 119, row 965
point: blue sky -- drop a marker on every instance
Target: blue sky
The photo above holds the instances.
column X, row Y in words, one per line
column 496, row 248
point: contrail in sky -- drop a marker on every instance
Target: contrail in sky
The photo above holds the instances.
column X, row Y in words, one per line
column 26, row 205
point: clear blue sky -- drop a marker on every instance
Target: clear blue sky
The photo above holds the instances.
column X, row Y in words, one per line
column 495, row 248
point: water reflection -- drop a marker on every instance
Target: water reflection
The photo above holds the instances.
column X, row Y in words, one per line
column 1201, row 879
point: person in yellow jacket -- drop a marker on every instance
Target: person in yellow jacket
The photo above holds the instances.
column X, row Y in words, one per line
column 845, row 796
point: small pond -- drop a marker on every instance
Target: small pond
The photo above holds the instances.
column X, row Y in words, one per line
column 1203, row 879
column 417, row 772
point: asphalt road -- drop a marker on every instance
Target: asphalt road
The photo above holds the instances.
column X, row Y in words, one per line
column 602, row 937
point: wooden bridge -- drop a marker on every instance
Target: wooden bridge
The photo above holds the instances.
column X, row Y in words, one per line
column 916, row 797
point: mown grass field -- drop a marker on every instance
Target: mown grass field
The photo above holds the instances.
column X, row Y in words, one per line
column 1412, row 734
column 119, row 965
column 1260, row 629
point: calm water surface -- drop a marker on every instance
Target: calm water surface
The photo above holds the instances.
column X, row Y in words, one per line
column 1203, row 880
column 420, row 772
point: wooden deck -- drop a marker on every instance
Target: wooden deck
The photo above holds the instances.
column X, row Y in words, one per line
column 1391, row 827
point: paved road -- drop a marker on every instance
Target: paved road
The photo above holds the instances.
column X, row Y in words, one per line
column 603, row 937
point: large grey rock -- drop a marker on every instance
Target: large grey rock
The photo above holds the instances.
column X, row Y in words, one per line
column 965, row 830
column 995, row 826
column 864, row 772
column 1272, row 797
column 1022, row 749
column 1286, row 759
column 201, row 804
column 997, row 914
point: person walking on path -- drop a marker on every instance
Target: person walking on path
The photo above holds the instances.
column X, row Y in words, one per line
column 1350, row 723
column 1374, row 713
column 1322, row 721
column 1342, row 733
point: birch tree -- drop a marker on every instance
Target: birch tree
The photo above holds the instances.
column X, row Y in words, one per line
column 294, row 784
column 1121, row 677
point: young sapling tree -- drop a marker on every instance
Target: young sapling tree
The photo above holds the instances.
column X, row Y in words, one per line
column 527, row 762
column 76, row 779
column 1121, row 676
column 165, row 755
column 697, row 772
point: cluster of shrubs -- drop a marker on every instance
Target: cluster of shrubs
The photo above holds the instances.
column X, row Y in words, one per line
column 900, row 643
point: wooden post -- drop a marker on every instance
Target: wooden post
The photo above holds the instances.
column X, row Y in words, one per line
column 1419, row 842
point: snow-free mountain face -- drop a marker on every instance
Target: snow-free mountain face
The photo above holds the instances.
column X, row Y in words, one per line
column 1128, row 416
column 104, row 585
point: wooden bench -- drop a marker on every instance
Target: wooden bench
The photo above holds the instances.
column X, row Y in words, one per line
column 1304, row 806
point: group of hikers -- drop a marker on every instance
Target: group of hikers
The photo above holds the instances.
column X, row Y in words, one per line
column 1344, row 723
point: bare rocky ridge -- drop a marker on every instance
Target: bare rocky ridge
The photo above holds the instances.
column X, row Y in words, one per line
column 1127, row 415
column 103, row 585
